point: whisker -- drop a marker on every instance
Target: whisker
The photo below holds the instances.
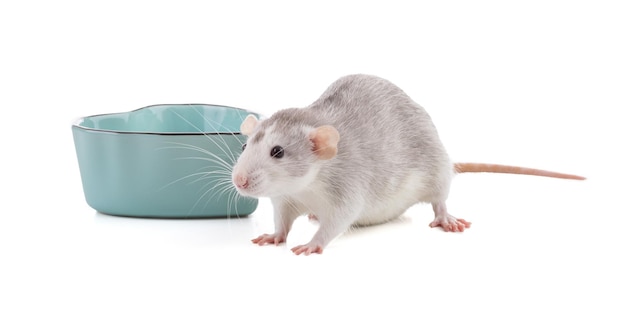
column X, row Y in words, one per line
column 208, row 121
column 214, row 179
column 218, row 181
column 207, row 135
column 231, row 201
column 196, row 148
column 181, row 179
column 217, row 176
column 220, row 187
column 200, row 199
column 219, row 163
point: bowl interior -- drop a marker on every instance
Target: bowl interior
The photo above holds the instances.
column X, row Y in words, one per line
column 170, row 119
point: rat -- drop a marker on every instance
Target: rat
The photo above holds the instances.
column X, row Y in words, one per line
column 360, row 155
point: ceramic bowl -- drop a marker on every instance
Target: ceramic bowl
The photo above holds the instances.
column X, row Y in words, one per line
column 168, row 161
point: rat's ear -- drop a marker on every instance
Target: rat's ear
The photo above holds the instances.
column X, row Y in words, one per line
column 248, row 125
column 325, row 140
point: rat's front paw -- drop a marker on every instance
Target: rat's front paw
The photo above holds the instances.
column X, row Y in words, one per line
column 307, row 249
column 450, row 224
column 269, row 239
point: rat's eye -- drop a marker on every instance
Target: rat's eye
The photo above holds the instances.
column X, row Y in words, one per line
column 277, row 152
column 243, row 147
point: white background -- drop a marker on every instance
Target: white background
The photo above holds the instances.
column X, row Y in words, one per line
column 535, row 83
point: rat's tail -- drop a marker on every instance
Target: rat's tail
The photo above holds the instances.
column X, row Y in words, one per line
column 496, row 168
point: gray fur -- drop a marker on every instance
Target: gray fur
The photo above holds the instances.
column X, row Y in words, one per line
column 385, row 136
column 389, row 158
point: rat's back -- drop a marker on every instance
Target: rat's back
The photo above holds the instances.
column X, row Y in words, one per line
column 389, row 146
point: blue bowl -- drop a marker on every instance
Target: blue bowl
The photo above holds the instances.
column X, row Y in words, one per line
column 166, row 161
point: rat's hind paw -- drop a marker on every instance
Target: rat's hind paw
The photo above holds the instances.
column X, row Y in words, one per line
column 269, row 239
column 450, row 224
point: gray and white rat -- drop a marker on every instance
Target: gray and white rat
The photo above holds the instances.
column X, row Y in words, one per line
column 362, row 154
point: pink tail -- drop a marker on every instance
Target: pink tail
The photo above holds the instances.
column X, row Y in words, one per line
column 506, row 169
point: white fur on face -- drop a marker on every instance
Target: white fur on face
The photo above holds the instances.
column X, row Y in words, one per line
column 272, row 177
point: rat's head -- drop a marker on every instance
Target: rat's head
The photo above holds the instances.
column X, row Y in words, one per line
column 282, row 154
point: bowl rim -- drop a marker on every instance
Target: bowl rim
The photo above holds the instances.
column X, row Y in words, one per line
column 76, row 123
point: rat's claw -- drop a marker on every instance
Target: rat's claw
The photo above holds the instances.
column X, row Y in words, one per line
column 450, row 224
column 307, row 249
column 269, row 239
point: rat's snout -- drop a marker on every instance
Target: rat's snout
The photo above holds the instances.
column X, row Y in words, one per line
column 241, row 181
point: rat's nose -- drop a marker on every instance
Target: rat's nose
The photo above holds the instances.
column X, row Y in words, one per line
column 241, row 181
